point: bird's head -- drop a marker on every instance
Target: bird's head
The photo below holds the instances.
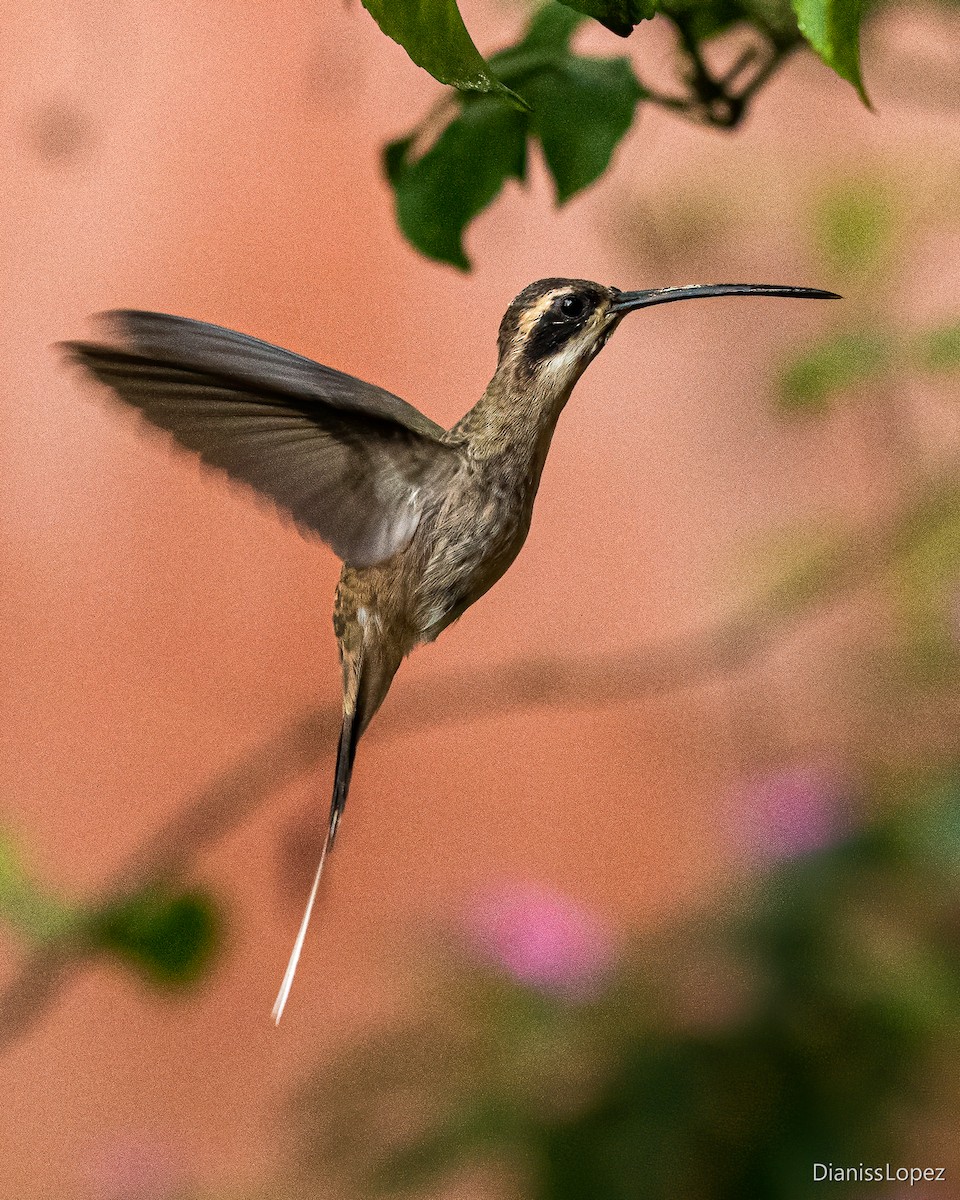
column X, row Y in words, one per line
column 556, row 327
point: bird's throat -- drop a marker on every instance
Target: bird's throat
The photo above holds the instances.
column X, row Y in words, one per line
column 515, row 418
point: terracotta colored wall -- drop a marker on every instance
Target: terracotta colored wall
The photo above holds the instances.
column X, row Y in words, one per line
column 221, row 161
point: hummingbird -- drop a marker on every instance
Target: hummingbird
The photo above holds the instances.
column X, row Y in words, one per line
column 424, row 519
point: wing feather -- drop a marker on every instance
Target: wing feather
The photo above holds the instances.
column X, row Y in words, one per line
column 349, row 462
column 221, row 351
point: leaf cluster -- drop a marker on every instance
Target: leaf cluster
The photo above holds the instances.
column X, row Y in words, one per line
column 455, row 163
column 577, row 109
column 434, row 34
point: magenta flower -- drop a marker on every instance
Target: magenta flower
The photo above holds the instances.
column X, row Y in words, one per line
column 540, row 938
column 792, row 811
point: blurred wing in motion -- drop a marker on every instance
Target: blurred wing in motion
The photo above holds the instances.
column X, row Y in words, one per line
column 350, row 462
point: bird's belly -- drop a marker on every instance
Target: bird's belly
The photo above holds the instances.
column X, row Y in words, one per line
column 470, row 553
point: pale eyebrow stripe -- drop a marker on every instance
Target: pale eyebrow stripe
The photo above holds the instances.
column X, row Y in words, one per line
column 529, row 317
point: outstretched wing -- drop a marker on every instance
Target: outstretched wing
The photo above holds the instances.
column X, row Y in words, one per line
column 350, row 462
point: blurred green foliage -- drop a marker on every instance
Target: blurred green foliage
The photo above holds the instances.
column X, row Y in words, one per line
column 857, row 230
column 925, row 588
column 838, row 363
column 794, row 568
column 856, row 223
column 720, row 1060
column 938, row 350
column 33, row 913
column 170, row 935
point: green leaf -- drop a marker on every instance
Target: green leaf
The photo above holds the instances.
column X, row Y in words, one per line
column 171, row 938
column 619, row 16
column 818, row 374
column 832, row 27
column 433, row 33
column 582, row 109
column 939, row 349
column 438, row 194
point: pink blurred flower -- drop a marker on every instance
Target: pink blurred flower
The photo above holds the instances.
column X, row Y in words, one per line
column 541, row 938
column 792, row 811
column 130, row 1167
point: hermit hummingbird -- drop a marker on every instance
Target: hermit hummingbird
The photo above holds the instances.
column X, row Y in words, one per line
column 425, row 519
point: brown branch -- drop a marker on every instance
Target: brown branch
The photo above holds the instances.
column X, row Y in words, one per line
column 712, row 100
column 728, row 647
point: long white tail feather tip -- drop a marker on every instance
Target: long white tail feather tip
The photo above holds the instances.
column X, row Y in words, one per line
column 281, row 1001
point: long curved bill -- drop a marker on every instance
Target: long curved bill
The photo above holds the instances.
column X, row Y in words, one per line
column 628, row 301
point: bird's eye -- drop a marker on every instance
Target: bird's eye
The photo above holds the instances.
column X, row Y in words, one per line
column 573, row 307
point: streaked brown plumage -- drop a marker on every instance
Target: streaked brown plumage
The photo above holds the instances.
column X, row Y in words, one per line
column 425, row 519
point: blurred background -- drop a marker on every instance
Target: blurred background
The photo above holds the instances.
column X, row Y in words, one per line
column 648, row 882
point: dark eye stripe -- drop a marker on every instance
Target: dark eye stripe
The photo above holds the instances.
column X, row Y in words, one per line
column 555, row 327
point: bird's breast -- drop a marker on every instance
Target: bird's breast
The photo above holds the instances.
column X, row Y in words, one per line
column 470, row 543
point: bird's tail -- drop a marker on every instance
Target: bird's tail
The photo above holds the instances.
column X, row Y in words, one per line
column 346, row 753
column 281, row 1001
column 367, row 679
